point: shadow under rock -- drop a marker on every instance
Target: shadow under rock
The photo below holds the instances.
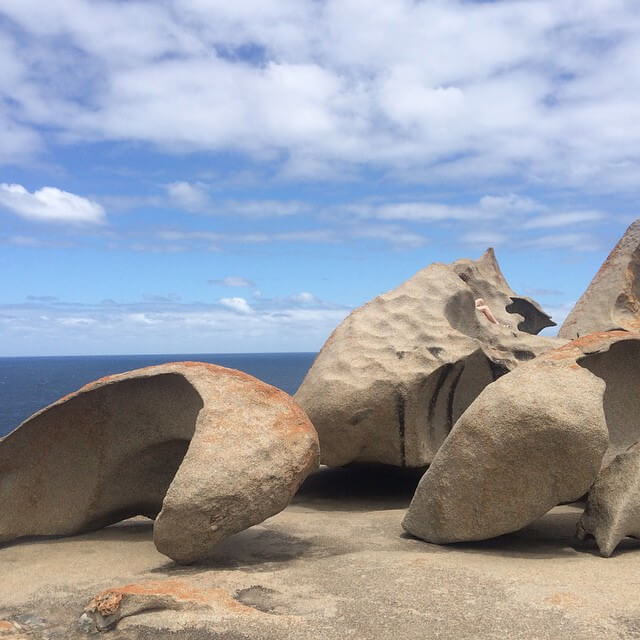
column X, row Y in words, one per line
column 253, row 547
column 359, row 487
column 551, row 536
column 131, row 529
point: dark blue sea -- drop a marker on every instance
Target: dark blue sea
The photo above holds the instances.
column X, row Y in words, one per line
column 29, row 384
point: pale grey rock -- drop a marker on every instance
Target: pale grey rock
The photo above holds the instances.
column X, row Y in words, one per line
column 613, row 504
column 206, row 451
column 395, row 375
column 612, row 299
column 533, row 439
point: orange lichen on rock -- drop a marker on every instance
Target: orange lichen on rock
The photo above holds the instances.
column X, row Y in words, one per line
column 105, row 603
column 180, row 592
column 588, row 343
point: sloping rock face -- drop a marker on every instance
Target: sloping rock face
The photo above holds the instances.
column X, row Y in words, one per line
column 613, row 506
column 612, row 299
column 206, row 451
column 395, row 375
column 533, row 439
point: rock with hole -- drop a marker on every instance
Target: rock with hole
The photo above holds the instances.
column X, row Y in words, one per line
column 535, row 438
column 206, row 451
column 393, row 378
column 612, row 299
column 613, row 506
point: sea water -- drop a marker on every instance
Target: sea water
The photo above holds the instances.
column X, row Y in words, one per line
column 29, row 384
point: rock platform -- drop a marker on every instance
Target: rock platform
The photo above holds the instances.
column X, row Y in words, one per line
column 335, row 564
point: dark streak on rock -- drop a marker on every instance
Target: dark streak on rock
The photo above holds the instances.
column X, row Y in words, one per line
column 401, row 401
column 451, row 397
column 444, row 372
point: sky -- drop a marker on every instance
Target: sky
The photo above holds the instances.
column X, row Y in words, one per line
column 200, row 176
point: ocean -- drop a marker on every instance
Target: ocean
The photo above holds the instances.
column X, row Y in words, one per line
column 29, row 384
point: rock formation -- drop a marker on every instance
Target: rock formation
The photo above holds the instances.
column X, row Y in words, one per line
column 613, row 506
column 612, row 300
column 396, row 374
column 206, row 451
column 533, row 439
column 107, row 608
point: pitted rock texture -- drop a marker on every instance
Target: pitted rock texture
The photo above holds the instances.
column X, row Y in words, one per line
column 393, row 378
column 206, row 451
column 533, row 439
column 613, row 505
column 612, row 299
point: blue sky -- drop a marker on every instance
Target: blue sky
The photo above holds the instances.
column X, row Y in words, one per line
column 188, row 176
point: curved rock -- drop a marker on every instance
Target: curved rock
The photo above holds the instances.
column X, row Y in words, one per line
column 613, row 505
column 393, row 378
column 533, row 439
column 205, row 450
column 612, row 299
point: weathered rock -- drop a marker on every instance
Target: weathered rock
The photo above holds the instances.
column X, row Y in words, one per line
column 613, row 505
column 393, row 378
column 8, row 628
column 111, row 605
column 612, row 299
column 205, row 450
column 533, row 439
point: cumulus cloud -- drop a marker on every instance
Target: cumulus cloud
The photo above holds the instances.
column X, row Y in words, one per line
column 239, row 305
column 50, row 204
column 535, row 90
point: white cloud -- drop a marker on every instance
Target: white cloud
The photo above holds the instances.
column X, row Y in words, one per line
column 574, row 241
column 154, row 327
column 195, row 197
column 263, row 208
column 239, row 305
column 304, row 297
column 192, row 197
column 50, row 204
column 509, row 203
column 537, row 90
column 563, row 219
column 484, row 238
column 234, row 281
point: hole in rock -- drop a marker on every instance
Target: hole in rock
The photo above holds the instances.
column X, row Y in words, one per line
column 534, row 319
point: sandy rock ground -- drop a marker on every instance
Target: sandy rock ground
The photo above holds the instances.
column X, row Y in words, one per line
column 334, row 565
